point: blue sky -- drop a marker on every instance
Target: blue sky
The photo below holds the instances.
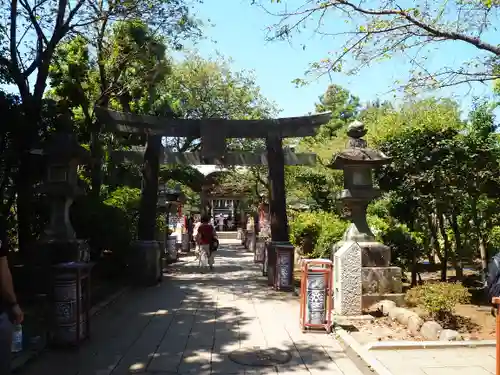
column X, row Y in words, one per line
column 239, row 32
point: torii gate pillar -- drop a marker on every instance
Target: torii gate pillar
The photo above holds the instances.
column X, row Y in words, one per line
column 277, row 194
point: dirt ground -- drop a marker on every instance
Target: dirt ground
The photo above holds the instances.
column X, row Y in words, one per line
column 381, row 328
column 474, row 321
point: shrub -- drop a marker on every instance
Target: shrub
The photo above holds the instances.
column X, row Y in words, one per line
column 316, row 232
column 438, row 299
column 332, row 230
column 403, row 243
column 304, row 230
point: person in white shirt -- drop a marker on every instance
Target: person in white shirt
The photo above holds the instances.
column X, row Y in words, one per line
column 195, row 234
column 220, row 222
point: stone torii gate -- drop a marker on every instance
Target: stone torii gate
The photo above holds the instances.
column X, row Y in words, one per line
column 213, row 133
column 241, row 158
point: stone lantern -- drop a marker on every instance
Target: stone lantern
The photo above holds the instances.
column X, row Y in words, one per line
column 63, row 154
column 379, row 280
column 65, row 258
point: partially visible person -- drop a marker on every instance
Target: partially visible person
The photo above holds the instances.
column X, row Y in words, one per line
column 10, row 312
column 205, row 238
column 493, row 280
column 195, row 234
column 220, row 222
column 190, row 225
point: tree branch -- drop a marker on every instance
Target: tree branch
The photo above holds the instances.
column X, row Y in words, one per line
column 451, row 35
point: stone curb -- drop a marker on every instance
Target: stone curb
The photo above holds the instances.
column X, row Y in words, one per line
column 27, row 357
column 401, row 345
column 373, row 364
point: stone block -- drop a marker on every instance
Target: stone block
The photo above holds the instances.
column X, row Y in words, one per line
column 368, row 300
column 431, row 330
column 381, row 280
column 375, row 254
column 347, row 283
column 414, row 324
column 147, row 269
column 450, row 335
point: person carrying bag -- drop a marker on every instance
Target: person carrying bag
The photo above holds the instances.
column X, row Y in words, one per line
column 208, row 243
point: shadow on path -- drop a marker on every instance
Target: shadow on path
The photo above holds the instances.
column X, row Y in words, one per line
column 190, row 324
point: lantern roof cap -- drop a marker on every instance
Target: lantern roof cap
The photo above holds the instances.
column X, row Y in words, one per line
column 357, row 152
column 62, row 143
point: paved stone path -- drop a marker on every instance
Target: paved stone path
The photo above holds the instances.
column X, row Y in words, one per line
column 192, row 321
column 450, row 361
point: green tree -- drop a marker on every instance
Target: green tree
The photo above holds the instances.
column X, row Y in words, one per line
column 344, row 108
column 134, row 55
column 443, row 178
column 318, row 186
column 207, row 88
column 28, row 41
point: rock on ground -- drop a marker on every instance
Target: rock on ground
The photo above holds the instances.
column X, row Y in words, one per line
column 450, row 335
column 414, row 324
column 431, row 330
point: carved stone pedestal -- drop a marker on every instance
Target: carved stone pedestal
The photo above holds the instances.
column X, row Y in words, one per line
column 379, row 279
column 381, row 283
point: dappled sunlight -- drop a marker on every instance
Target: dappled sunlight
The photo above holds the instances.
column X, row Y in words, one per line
column 152, row 313
column 136, row 367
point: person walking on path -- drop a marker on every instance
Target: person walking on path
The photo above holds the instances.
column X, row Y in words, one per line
column 195, row 235
column 205, row 238
column 220, row 222
column 10, row 312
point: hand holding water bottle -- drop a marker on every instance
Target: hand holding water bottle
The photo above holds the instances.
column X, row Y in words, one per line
column 16, row 314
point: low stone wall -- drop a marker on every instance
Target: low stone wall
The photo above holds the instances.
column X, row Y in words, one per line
column 429, row 330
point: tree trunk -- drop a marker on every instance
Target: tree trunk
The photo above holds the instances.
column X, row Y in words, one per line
column 414, row 260
column 446, row 252
column 434, row 238
column 24, row 212
column 429, row 252
column 459, row 269
column 96, row 167
column 24, row 179
column 482, row 243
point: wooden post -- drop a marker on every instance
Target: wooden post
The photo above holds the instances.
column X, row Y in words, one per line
column 147, row 212
column 496, row 302
column 277, row 199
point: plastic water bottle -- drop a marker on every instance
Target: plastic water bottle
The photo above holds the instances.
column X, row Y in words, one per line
column 17, row 339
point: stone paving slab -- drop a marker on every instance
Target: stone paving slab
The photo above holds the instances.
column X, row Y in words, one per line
column 456, row 361
column 192, row 321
